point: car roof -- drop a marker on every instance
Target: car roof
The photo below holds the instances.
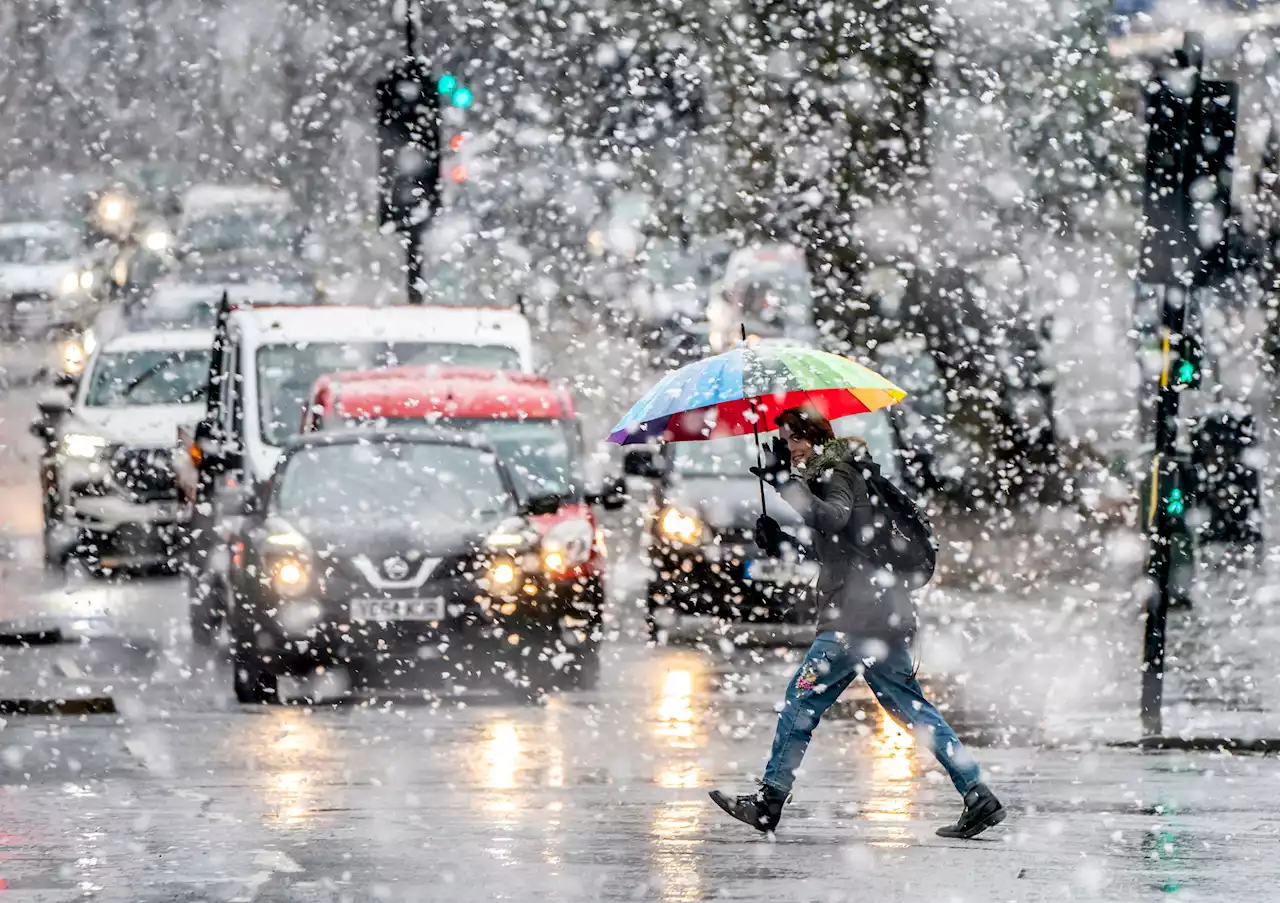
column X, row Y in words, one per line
column 336, row 323
column 261, row 291
column 419, row 435
column 457, row 392
column 38, row 229
column 162, row 340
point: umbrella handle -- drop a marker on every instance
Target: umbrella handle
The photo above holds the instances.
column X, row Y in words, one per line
column 755, row 428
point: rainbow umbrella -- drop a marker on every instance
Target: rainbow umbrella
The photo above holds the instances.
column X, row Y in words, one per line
column 743, row 390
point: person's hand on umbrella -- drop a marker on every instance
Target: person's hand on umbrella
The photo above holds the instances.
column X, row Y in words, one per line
column 769, row 536
column 777, row 464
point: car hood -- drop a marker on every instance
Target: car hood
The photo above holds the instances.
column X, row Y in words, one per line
column 378, row 538
column 730, row 503
column 42, row 277
column 150, row 426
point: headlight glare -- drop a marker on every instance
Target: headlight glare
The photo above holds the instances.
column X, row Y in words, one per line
column 83, row 445
column 73, row 357
column 680, row 526
column 503, row 576
column 69, row 283
column 290, row 576
column 86, row 279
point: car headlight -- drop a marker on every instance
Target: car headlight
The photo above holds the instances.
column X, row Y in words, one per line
column 69, row 284
column 90, row 342
column 113, row 209
column 86, row 279
column 680, row 526
column 290, row 576
column 156, row 240
column 74, row 357
column 567, row 545
column 502, row 576
column 83, row 446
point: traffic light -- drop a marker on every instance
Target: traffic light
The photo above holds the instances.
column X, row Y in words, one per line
column 1187, row 359
column 1176, row 504
column 459, row 94
column 408, row 146
column 1211, row 148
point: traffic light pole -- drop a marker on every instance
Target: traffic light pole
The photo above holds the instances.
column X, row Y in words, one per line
column 413, row 262
column 1164, row 473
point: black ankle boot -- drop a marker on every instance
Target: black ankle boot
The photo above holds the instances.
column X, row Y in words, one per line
column 981, row 811
column 761, row 810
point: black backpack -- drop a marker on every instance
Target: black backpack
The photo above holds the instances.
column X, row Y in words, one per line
column 903, row 543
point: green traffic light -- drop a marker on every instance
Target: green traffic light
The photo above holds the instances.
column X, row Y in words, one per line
column 462, row 98
column 1186, row 372
column 447, row 84
column 1176, row 504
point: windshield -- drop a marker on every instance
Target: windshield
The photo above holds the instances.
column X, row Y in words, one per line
column 125, row 378
column 393, row 480
column 254, row 229
column 30, row 250
column 731, row 457
column 538, row 453
column 670, row 268
column 286, row 373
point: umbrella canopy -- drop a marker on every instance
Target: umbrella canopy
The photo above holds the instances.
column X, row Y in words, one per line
column 743, row 390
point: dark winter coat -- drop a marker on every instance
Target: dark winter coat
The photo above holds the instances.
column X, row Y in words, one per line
column 854, row 597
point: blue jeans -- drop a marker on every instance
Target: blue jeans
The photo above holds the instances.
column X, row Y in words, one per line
column 831, row 664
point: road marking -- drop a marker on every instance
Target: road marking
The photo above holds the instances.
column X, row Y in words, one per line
column 68, row 668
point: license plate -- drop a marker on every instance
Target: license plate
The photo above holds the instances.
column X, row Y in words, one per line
column 768, row 570
column 397, row 609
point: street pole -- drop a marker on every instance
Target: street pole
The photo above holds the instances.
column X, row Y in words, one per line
column 414, row 234
column 1164, row 472
column 413, row 263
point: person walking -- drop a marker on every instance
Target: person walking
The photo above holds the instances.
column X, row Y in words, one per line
column 865, row 623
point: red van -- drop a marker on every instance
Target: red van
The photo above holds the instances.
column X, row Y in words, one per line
column 530, row 421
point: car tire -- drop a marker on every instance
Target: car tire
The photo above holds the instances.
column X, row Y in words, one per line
column 254, row 682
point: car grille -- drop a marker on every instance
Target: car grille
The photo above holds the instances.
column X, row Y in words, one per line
column 144, row 474
column 26, row 314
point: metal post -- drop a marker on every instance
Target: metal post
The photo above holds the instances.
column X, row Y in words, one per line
column 413, row 263
column 1164, row 468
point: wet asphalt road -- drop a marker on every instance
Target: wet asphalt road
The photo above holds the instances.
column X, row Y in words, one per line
column 599, row 794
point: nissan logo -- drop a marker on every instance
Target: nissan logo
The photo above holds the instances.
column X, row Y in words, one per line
column 395, row 567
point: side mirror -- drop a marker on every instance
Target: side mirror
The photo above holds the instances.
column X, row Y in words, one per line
column 641, row 462
column 64, row 380
column 54, row 403
column 611, row 497
column 541, row 505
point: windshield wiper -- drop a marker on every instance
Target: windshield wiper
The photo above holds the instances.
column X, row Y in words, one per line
column 150, row 372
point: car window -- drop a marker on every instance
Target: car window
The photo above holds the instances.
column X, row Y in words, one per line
column 539, row 454
column 32, row 250
column 437, row 484
column 146, row 377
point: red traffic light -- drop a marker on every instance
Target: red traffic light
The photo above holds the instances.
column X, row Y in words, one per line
column 455, row 143
column 458, row 173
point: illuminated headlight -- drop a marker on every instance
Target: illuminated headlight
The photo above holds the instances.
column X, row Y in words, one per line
column 83, row 446
column 680, row 526
column 290, row 576
column 156, row 240
column 74, row 357
column 69, row 283
column 90, row 342
column 567, row 545
column 86, row 280
column 503, row 576
column 113, row 209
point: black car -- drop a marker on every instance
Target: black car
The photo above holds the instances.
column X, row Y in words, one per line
column 699, row 532
column 386, row 552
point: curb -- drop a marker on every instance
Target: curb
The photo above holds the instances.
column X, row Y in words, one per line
column 1202, row 744
column 88, row 705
